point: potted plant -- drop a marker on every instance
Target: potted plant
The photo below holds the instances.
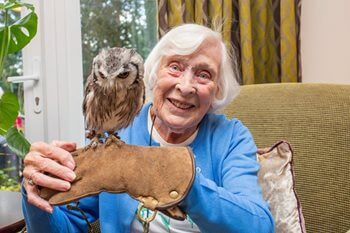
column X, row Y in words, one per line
column 14, row 35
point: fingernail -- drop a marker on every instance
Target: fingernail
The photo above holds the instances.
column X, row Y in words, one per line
column 66, row 186
column 71, row 165
column 71, row 176
column 48, row 209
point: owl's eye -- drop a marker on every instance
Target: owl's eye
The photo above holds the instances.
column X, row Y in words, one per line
column 123, row 75
column 101, row 75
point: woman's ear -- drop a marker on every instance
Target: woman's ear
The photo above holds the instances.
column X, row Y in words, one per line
column 218, row 92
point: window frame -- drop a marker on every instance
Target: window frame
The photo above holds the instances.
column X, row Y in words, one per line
column 57, row 48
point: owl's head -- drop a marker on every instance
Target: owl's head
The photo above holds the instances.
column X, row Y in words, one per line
column 117, row 65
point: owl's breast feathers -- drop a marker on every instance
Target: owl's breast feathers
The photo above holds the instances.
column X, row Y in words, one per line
column 114, row 108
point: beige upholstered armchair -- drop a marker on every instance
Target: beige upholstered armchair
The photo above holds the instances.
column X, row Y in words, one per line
column 315, row 119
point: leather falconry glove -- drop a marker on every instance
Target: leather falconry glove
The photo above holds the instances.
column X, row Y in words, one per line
column 159, row 177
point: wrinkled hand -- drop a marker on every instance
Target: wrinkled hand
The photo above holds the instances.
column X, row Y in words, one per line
column 41, row 163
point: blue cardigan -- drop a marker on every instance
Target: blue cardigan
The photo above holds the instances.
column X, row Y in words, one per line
column 225, row 195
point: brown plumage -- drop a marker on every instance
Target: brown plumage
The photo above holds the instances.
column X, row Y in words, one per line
column 114, row 91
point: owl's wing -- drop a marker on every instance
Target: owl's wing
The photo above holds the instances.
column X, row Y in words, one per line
column 88, row 89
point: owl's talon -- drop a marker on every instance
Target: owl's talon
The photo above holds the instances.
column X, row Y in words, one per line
column 114, row 139
column 93, row 144
column 90, row 134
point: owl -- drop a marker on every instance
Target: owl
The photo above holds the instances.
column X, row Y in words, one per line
column 114, row 93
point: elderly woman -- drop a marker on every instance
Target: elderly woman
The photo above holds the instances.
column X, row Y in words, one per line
column 190, row 77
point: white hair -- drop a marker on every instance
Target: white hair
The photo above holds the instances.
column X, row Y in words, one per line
column 185, row 40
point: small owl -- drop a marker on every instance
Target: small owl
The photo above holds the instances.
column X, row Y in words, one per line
column 114, row 92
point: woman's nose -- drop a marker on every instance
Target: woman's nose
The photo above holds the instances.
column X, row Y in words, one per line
column 186, row 85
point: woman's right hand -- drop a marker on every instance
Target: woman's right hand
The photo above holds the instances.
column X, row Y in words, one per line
column 44, row 160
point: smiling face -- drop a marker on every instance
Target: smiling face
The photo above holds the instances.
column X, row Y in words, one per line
column 184, row 90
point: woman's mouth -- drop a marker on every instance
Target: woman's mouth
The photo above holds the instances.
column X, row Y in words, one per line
column 181, row 105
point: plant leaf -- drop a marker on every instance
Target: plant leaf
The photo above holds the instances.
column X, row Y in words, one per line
column 10, row 4
column 22, row 32
column 17, row 142
column 9, row 108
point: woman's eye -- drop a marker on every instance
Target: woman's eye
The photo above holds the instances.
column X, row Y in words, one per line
column 204, row 75
column 174, row 67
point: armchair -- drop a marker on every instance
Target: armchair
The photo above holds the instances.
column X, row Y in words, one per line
column 315, row 119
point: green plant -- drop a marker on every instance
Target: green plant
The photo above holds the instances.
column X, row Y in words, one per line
column 8, row 183
column 14, row 36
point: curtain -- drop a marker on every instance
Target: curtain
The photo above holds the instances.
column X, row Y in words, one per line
column 263, row 34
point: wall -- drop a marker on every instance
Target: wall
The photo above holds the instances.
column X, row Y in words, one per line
column 325, row 41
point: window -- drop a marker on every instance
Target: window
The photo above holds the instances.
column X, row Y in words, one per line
column 116, row 23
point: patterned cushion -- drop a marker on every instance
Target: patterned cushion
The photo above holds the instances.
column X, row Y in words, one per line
column 276, row 178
